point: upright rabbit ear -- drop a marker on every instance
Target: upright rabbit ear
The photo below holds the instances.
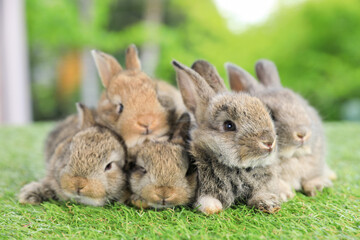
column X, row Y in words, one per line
column 181, row 133
column 106, row 65
column 86, row 118
column 210, row 74
column 132, row 58
column 195, row 92
column 267, row 73
column 241, row 80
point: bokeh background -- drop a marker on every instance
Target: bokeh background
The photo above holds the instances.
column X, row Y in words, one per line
column 46, row 66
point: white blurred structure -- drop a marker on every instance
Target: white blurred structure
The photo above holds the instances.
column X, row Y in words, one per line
column 15, row 100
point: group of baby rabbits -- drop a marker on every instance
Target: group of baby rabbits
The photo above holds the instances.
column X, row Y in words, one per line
column 149, row 145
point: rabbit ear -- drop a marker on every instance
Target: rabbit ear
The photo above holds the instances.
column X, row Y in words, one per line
column 210, row 74
column 106, row 65
column 195, row 92
column 267, row 73
column 181, row 130
column 86, row 118
column 132, row 58
column 241, row 80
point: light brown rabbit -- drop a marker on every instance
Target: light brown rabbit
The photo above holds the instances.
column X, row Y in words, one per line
column 162, row 175
column 299, row 128
column 85, row 166
column 133, row 105
column 233, row 144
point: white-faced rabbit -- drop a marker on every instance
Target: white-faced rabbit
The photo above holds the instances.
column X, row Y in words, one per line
column 85, row 166
column 299, row 128
column 133, row 105
column 161, row 174
column 233, row 145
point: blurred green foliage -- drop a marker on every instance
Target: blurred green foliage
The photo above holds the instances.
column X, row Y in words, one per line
column 314, row 43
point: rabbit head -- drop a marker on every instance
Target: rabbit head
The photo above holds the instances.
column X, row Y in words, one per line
column 130, row 104
column 160, row 173
column 95, row 157
column 234, row 126
column 289, row 111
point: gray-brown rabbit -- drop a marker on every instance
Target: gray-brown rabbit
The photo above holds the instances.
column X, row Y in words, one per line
column 83, row 164
column 133, row 105
column 233, row 145
column 299, row 129
column 161, row 174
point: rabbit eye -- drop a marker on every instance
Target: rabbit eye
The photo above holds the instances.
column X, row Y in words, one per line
column 108, row 167
column 229, row 126
column 120, row 108
column 140, row 169
column 272, row 115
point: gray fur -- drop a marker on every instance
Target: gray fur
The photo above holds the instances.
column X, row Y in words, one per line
column 231, row 165
column 302, row 163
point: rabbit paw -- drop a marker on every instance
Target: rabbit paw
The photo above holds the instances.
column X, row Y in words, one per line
column 139, row 202
column 285, row 191
column 267, row 203
column 317, row 184
column 209, row 205
column 31, row 194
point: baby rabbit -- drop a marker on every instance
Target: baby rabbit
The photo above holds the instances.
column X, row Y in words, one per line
column 133, row 105
column 161, row 175
column 233, row 145
column 299, row 129
column 86, row 166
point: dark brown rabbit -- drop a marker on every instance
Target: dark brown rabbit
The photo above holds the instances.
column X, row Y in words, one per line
column 301, row 138
column 233, row 144
column 84, row 164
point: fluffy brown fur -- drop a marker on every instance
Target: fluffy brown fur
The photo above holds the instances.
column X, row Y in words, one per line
column 301, row 137
column 85, row 165
column 133, row 105
column 160, row 176
column 233, row 164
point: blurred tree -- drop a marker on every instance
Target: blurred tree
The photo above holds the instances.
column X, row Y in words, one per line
column 314, row 43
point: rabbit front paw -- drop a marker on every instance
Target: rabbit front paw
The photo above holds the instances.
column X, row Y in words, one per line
column 209, row 205
column 317, row 184
column 267, row 203
column 285, row 191
column 31, row 194
column 139, row 202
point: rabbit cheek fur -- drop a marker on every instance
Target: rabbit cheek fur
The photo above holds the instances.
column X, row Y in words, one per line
column 79, row 170
column 158, row 178
column 234, row 165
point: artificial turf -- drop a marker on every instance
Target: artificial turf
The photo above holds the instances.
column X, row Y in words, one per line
column 333, row 214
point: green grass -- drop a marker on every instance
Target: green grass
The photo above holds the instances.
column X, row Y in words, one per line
column 333, row 214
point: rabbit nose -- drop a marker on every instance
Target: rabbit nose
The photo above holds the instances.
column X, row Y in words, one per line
column 269, row 145
column 164, row 194
column 79, row 184
column 301, row 136
column 146, row 123
column 79, row 188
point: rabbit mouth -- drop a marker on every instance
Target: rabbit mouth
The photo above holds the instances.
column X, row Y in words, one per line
column 265, row 160
column 160, row 136
column 162, row 204
column 86, row 200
